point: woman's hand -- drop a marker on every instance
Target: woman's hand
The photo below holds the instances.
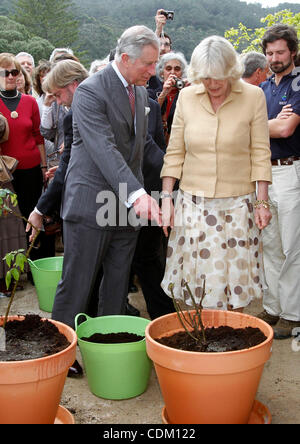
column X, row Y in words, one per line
column 262, row 217
column 49, row 99
column 167, row 209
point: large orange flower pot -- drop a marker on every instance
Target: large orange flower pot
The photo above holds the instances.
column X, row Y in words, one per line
column 208, row 388
column 30, row 391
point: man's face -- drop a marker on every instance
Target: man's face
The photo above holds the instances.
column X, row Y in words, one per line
column 165, row 46
column 263, row 74
column 64, row 96
column 26, row 62
column 279, row 56
column 138, row 72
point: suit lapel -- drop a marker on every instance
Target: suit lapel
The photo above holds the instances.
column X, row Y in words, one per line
column 119, row 96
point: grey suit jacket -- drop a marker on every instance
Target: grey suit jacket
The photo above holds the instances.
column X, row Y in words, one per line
column 106, row 150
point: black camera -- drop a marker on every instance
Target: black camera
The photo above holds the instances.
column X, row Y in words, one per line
column 168, row 14
column 179, row 84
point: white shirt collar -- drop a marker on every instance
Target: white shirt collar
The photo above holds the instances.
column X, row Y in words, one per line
column 117, row 71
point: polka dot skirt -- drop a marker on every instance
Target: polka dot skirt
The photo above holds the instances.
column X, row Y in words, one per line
column 216, row 240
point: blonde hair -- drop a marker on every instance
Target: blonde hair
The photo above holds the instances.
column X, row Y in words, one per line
column 6, row 59
column 63, row 74
column 215, row 58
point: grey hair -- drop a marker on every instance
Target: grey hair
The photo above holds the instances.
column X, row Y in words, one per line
column 133, row 40
column 96, row 64
column 58, row 50
column 216, row 58
column 26, row 54
column 167, row 58
column 252, row 61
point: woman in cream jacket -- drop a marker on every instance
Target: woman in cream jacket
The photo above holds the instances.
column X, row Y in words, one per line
column 219, row 151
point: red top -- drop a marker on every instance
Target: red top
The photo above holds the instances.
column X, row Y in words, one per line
column 24, row 133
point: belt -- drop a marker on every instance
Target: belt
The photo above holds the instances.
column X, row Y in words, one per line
column 285, row 160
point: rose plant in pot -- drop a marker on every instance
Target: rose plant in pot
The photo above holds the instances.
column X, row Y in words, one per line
column 33, row 373
column 208, row 385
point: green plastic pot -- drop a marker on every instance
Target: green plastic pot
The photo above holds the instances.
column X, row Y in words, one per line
column 46, row 274
column 114, row 371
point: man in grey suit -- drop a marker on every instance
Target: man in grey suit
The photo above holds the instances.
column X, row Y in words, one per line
column 103, row 194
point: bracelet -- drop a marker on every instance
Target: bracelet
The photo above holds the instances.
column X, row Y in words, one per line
column 264, row 203
column 165, row 195
column 44, row 166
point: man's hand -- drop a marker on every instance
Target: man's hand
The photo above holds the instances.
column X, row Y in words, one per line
column 49, row 99
column 147, row 208
column 51, row 172
column 37, row 221
column 160, row 21
column 286, row 112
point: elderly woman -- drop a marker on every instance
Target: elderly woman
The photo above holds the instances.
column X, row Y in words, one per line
column 219, row 149
column 171, row 67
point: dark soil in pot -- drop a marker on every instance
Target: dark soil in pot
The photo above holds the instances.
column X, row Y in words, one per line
column 113, row 338
column 220, row 339
column 32, row 338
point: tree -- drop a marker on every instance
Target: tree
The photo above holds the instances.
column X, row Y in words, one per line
column 15, row 38
column 246, row 39
column 52, row 20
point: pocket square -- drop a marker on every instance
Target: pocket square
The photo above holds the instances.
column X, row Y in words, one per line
column 147, row 110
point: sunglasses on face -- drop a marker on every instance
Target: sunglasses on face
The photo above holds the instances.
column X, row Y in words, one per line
column 13, row 72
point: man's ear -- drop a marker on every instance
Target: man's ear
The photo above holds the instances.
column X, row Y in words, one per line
column 125, row 59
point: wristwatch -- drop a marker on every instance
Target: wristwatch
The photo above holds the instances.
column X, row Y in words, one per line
column 165, row 195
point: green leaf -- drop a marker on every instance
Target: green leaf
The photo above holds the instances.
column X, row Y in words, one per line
column 8, row 279
column 15, row 274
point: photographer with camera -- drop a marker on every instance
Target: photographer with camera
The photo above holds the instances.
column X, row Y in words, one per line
column 165, row 41
column 171, row 70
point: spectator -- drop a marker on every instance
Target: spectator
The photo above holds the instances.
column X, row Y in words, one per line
column 27, row 61
column 154, row 86
column 96, row 65
column 24, row 84
column 220, row 126
column 25, row 144
column 171, row 67
column 281, row 240
column 58, row 51
column 256, row 67
column 62, row 82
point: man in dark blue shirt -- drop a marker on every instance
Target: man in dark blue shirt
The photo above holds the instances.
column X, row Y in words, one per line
column 281, row 239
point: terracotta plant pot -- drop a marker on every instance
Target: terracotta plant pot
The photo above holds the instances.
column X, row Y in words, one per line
column 208, row 388
column 30, row 391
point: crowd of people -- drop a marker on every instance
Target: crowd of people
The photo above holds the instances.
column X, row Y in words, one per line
column 171, row 171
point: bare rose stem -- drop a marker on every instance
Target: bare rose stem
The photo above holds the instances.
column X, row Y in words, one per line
column 195, row 321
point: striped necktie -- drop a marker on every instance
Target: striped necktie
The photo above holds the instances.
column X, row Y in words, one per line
column 131, row 99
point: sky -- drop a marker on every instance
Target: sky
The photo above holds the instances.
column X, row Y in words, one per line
column 271, row 3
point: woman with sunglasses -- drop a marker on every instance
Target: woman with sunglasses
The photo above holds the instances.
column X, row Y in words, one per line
column 25, row 143
column 171, row 69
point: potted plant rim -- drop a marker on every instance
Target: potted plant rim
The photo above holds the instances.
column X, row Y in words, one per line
column 30, row 388
column 206, row 387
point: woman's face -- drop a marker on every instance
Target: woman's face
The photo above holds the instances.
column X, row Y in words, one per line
column 172, row 67
column 8, row 83
column 217, row 88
